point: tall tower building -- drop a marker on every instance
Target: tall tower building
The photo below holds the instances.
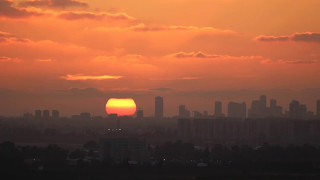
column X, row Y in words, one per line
column 158, row 110
column 182, row 111
column 37, row 114
column 46, row 114
column 55, row 114
column 263, row 101
column 218, row 109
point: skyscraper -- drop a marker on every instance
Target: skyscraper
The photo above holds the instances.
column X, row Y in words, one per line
column 263, row 101
column 55, row 114
column 37, row 114
column 158, row 110
column 46, row 114
column 182, row 111
column 218, row 109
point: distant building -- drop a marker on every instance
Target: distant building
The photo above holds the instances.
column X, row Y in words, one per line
column 182, row 111
column 55, row 114
column 258, row 108
column 297, row 110
column 140, row 113
column 46, row 114
column 158, row 107
column 197, row 114
column 218, row 109
column 275, row 110
column 85, row 116
column 237, row 110
column 123, row 149
column 205, row 113
column 318, row 108
column 37, row 114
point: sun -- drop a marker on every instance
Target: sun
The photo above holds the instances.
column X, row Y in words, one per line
column 121, row 107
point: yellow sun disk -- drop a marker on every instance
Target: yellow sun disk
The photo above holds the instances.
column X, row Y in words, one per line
column 122, row 107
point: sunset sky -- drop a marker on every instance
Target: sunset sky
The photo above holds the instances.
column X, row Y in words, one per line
column 73, row 55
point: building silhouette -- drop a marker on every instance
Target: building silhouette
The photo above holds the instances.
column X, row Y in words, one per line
column 298, row 111
column 85, row 116
column 237, row 110
column 37, row 114
column 274, row 110
column 158, row 107
column 218, row 109
column 140, row 113
column 55, row 114
column 46, row 114
column 182, row 111
column 258, row 108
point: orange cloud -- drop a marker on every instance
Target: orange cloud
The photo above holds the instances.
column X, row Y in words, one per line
column 305, row 37
column 91, row 15
column 200, row 54
column 8, row 10
column 77, row 77
column 54, row 3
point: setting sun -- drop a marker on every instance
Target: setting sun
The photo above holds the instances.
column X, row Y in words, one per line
column 121, row 107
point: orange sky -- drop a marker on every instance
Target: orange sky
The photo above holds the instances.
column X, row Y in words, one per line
column 154, row 47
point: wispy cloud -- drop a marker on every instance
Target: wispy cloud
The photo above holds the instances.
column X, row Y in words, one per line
column 305, row 37
column 202, row 55
column 92, row 15
column 81, row 77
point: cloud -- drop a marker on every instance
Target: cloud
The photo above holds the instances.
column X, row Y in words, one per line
column 9, row 59
column 304, row 37
column 198, row 54
column 53, row 3
column 272, row 38
column 8, row 10
column 142, row 27
column 202, row 55
column 298, row 61
column 81, row 77
column 91, row 15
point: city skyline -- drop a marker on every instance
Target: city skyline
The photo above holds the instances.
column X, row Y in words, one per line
column 258, row 109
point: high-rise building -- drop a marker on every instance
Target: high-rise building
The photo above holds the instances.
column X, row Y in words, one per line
column 318, row 108
column 218, row 109
column 263, row 101
column 46, row 114
column 55, row 114
column 237, row 110
column 37, row 114
column 259, row 108
column 158, row 110
column 140, row 113
column 182, row 111
column 274, row 110
column 297, row 110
